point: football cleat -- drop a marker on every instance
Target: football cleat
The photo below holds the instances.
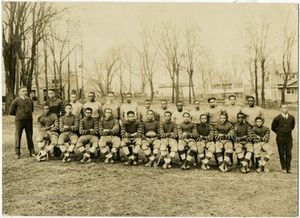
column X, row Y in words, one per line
column 203, row 166
column 89, row 160
column 107, row 161
column 183, row 166
column 221, row 167
column 165, row 166
column 112, row 161
column 129, row 162
column 243, row 169
column 150, row 163
column 259, row 169
column 134, row 163
column 64, row 160
column 84, row 159
column 266, row 170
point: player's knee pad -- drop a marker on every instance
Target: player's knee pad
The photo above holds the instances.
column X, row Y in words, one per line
column 136, row 149
column 41, row 144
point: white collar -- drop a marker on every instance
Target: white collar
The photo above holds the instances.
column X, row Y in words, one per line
column 24, row 98
column 285, row 115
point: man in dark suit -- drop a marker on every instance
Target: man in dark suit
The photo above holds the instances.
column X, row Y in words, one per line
column 282, row 125
column 22, row 108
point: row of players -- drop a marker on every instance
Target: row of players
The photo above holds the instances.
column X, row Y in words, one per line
column 152, row 136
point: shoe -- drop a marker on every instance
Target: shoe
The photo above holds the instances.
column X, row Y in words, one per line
column 68, row 159
column 107, row 161
column 259, row 169
column 32, row 154
column 17, row 156
column 207, row 166
column 225, row 168
column 155, row 164
column 84, row 159
column 266, row 170
column 203, row 166
column 89, row 160
column 183, row 166
column 188, row 166
column 289, row 171
column 243, row 169
column 135, row 163
column 150, row 163
column 169, row 166
column 64, row 160
column 221, row 167
column 129, row 162
column 165, row 166
column 247, row 169
column 112, row 161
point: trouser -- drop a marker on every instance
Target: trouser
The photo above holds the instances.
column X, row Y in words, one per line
column 201, row 146
column 146, row 147
column 114, row 140
column 228, row 146
column 19, row 126
column 165, row 144
column 135, row 142
column 47, row 135
column 191, row 145
column 85, row 139
column 285, row 146
column 264, row 146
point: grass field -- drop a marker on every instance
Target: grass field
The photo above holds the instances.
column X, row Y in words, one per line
column 56, row 189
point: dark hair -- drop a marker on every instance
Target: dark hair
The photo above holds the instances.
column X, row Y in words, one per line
column 147, row 100
column 224, row 114
column 22, row 87
column 68, row 105
column 73, row 92
column 88, row 109
column 150, row 111
column 107, row 109
column 128, row 93
column 130, row 112
column 196, row 101
column 201, row 115
column 211, row 98
column 92, row 93
column 110, row 92
column 164, row 100
column 179, row 102
column 240, row 113
column 250, row 97
column 259, row 118
column 231, row 96
column 167, row 112
column 186, row 113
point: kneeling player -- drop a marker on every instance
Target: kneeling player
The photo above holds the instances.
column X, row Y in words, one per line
column 168, row 133
column 150, row 138
column 68, row 126
column 187, row 132
column 131, row 133
column 108, row 130
column 224, row 133
column 261, row 138
column 205, row 139
column 243, row 141
column 88, row 130
column 47, row 127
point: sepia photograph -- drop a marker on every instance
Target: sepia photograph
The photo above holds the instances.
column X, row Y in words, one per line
column 150, row 109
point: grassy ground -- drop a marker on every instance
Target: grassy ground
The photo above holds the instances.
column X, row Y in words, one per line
column 56, row 189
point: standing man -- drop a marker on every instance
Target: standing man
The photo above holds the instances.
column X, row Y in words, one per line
column 129, row 105
column 114, row 106
column 252, row 111
column 22, row 108
column 57, row 106
column 195, row 114
column 77, row 107
column 232, row 110
column 163, row 108
column 213, row 112
column 177, row 116
column 94, row 105
column 282, row 125
column 143, row 111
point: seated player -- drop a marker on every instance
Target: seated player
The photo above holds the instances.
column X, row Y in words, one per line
column 109, row 130
column 168, row 134
column 150, row 138
column 131, row 133
column 243, row 141
column 48, row 131
column 143, row 111
column 261, row 138
column 88, row 130
column 68, row 126
column 187, row 133
column 224, row 133
column 205, row 140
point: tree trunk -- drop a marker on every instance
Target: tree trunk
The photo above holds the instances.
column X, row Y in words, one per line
column 263, row 99
column 190, row 88
column 284, row 86
column 256, row 82
column 177, row 85
column 151, row 90
column 46, row 69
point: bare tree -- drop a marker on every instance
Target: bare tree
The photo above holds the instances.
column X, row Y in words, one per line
column 289, row 42
column 106, row 68
column 193, row 51
column 147, row 56
column 23, row 29
column 172, row 55
column 205, row 68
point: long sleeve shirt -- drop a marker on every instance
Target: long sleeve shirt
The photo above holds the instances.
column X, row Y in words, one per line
column 111, row 124
column 152, row 126
column 128, row 128
column 47, row 122
column 205, row 132
column 57, row 106
column 283, row 127
column 88, row 126
column 251, row 113
column 189, row 128
column 21, row 108
column 68, row 120
column 243, row 132
column 168, row 129
column 213, row 114
column 226, row 129
column 260, row 134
